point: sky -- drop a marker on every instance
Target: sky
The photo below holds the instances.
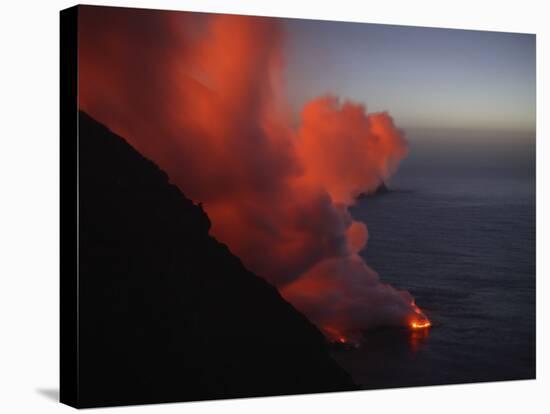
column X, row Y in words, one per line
column 424, row 77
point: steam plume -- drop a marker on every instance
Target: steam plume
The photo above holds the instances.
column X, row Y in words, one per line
column 202, row 96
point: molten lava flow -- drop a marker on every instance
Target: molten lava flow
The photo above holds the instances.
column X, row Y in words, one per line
column 420, row 324
column 202, row 96
column 419, row 320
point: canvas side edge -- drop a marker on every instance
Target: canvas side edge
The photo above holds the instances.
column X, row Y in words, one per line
column 69, row 372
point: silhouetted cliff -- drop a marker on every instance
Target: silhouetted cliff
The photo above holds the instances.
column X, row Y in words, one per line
column 380, row 190
column 168, row 313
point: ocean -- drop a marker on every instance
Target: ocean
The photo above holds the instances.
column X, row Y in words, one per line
column 459, row 235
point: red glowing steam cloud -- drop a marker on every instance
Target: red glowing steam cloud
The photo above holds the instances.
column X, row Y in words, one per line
column 202, row 96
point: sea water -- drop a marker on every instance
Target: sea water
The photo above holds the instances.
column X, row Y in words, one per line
column 460, row 237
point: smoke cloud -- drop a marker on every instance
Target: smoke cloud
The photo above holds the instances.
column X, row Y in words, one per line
column 203, row 96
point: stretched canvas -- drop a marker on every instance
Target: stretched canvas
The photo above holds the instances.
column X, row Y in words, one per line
column 258, row 206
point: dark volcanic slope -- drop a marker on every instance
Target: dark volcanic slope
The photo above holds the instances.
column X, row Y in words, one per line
column 168, row 313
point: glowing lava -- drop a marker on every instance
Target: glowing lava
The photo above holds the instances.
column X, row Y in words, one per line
column 420, row 324
column 420, row 320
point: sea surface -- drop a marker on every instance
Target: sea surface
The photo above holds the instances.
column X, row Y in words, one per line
column 461, row 239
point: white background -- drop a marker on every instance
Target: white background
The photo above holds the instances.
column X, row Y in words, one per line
column 29, row 206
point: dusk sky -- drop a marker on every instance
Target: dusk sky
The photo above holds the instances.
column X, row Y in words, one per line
column 424, row 77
